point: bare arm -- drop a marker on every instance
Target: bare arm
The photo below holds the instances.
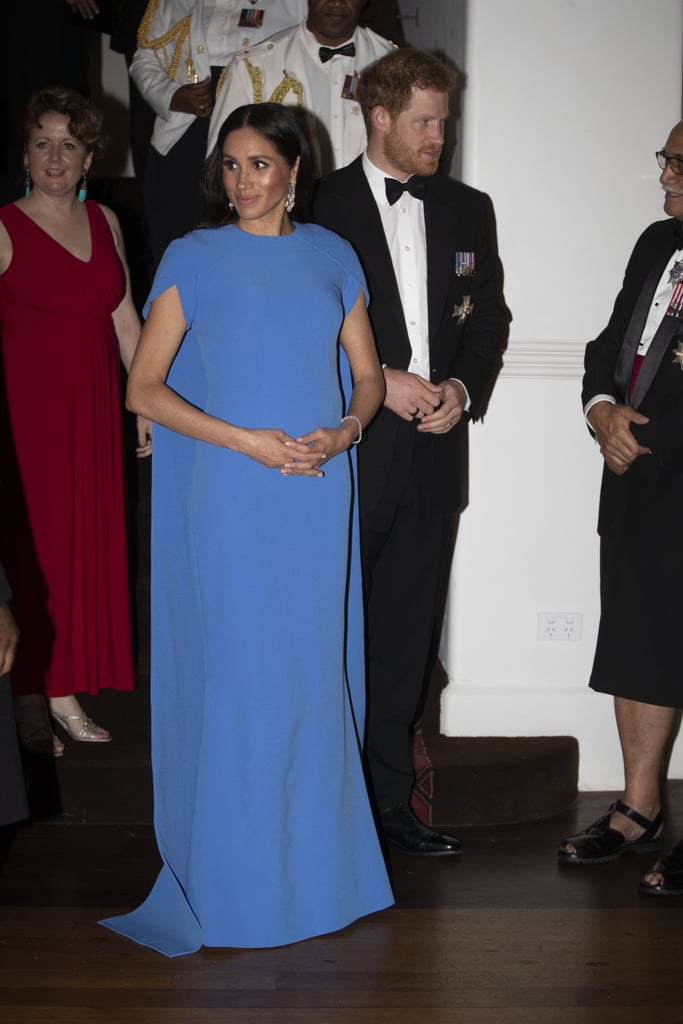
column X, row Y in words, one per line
column 368, row 390
column 359, row 345
column 5, row 249
column 127, row 327
column 125, row 317
column 149, row 395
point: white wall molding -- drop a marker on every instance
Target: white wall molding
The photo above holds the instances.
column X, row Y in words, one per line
column 546, row 359
column 534, row 136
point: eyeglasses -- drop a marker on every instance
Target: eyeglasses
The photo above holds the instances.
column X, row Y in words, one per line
column 675, row 162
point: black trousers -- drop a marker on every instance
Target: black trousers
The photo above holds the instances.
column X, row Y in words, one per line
column 404, row 541
column 172, row 189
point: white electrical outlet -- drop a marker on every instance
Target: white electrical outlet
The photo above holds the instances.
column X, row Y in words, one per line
column 560, row 625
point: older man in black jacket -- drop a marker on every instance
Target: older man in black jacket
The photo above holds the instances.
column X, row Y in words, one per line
column 633, row 401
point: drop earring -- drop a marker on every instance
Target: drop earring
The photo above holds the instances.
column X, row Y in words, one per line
column 28, row 183
column 83, row 189
column 290, row 198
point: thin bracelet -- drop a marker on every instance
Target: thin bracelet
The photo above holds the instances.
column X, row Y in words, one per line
column 360, row 427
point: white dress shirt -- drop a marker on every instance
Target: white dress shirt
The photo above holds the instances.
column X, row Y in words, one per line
column 404, row 229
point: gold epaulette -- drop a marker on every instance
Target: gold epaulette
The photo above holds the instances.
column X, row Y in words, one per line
column 288, row 84
column 256, row 76
column 221, row 80
column 178, row 33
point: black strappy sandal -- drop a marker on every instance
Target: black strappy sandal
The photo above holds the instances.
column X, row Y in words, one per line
column 671, row 870
column 599, row 843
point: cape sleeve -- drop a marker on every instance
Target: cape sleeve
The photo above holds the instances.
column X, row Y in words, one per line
column 344, row 255
column 177, row 268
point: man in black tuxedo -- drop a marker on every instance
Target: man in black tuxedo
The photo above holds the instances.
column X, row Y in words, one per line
column 633, row 401
column 427, row 246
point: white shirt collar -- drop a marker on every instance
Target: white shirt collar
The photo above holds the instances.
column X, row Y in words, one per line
column 375, row 178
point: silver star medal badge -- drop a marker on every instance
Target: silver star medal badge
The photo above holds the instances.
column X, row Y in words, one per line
column 464, row 267
column 462, row 311
column 676, row 273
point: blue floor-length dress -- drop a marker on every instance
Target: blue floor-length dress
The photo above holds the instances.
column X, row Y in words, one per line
column 261, row 810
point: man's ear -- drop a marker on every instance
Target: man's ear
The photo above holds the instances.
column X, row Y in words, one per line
column 380, row 119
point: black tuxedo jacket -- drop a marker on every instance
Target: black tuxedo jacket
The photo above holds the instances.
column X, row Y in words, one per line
column 652, row 481
column 457, row 219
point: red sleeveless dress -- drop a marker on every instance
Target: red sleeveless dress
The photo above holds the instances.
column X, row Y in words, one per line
column 62, row 509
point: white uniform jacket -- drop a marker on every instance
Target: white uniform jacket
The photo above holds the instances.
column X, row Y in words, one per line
column 173, row 49
column 287, row 69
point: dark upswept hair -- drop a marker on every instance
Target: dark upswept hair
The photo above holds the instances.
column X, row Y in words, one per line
column 84, row 119
column 389, row 81
column 282, row 126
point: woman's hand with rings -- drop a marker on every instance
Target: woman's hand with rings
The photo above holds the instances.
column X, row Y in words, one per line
column 273, row 448
column 321, row 445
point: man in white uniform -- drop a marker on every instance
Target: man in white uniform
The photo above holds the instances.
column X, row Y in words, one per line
column 316, row 66
column 183, row 47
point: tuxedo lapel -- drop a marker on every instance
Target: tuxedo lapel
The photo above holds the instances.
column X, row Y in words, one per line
column 440, row 267
column 634, row 332
column 668, row 329
column 367, row 232
column 375, row 250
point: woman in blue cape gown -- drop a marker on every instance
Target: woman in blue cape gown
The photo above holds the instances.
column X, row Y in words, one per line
column 258, row 362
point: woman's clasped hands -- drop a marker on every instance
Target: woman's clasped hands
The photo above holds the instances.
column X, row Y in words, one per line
column 299, row 456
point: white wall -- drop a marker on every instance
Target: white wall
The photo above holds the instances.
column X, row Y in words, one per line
column 566, row 103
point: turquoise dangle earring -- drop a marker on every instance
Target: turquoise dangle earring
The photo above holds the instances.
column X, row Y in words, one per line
column 28, row 184
column 83, row 190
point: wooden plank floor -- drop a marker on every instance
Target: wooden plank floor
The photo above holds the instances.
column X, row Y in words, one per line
column 502, row 934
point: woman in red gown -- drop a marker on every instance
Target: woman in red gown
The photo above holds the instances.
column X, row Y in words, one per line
column 66, row 317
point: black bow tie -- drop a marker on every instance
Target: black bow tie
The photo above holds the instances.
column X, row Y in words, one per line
column 327, row 52
column 417, row 186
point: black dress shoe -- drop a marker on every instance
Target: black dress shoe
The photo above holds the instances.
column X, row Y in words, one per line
column 402, row 829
